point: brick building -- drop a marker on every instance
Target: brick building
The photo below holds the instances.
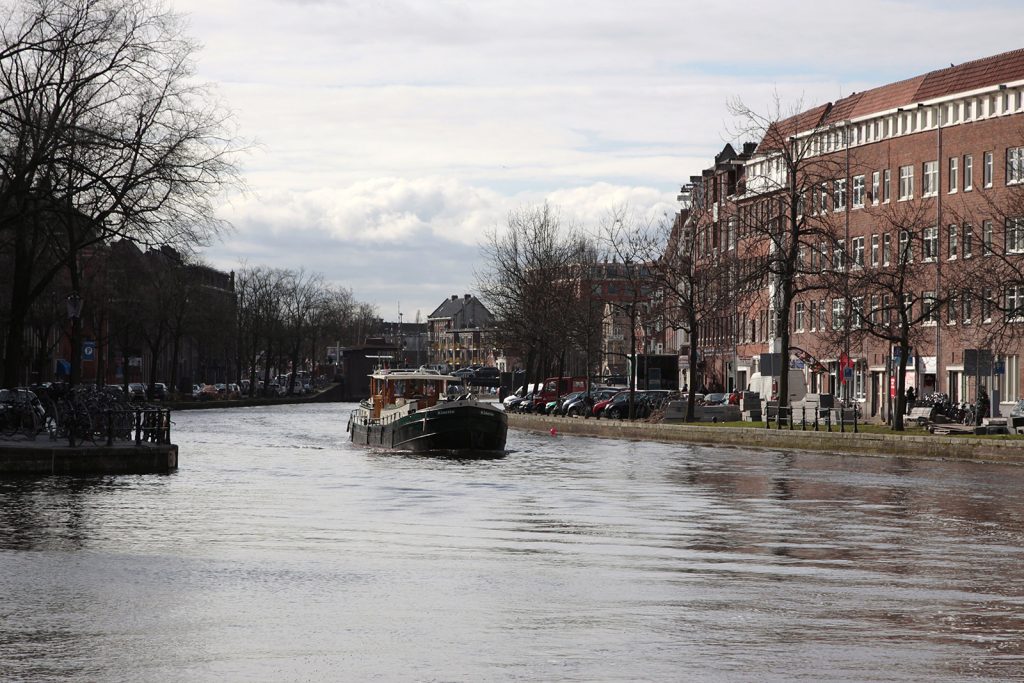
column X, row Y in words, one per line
column 459, row 333
column 916, row 182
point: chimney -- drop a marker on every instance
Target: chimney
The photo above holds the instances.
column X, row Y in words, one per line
column 466, row 296
column 455, row 297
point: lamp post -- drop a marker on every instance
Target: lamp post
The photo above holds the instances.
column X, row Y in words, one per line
column 74, row 306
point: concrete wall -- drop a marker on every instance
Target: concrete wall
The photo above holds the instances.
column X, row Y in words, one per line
column 32, row 458
column 913, row 446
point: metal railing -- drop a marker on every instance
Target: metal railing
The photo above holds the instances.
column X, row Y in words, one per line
column 816, row 419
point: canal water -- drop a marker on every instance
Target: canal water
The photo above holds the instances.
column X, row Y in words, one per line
column 278, row 552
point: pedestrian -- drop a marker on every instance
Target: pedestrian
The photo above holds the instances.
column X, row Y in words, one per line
column 983, row 404
column 911, row 399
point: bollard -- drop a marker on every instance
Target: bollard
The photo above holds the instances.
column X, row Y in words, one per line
column 803, row 418
column 816, row 411
column 110, row 427
column 828, row 420
column 842, row 419
column 856, row 415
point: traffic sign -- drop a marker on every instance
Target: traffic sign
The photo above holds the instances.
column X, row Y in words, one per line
column 88, row 350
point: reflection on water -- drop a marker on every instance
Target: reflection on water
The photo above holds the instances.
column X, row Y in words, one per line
column 279, row 552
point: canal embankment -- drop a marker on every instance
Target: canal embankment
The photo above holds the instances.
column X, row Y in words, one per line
column 44, row 456
column 981, row 449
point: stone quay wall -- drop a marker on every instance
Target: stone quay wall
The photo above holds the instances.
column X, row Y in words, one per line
column 902, row 445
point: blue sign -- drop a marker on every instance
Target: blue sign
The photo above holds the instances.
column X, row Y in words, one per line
column 88, row 350
column 63, row 367
column 998, row 368
column 848, row 372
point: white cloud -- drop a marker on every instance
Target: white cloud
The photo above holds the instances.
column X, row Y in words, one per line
column 411, row 126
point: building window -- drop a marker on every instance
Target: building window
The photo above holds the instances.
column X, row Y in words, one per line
column 857, row 312
column 858, row 251
column 886, row 313
column 839, row 255
column 874, row 251
column 822, row 315
column 1015, row 303
column 908, row 306
column 886, row 248
column 930, row 179
column 798, row 316
column 966, row 303
column 813, row 315
column 839, row 195
column 876, row 186
column 986, row 170
column 987, row 304
column 1014, row 235
column 968, row 245
column 838, row 308
column 968, row 173
column 986, row 238
column 906, row 248
column 952, row 243
column 886, row 185
column 858, row 191
column 954, row 173
column 906, row 182
column 1014, row 165
column 930, row 243
column 873, row 315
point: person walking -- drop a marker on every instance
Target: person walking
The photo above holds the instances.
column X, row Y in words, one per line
column 911, row 399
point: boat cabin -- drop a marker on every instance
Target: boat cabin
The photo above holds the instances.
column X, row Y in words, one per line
column 405, row 391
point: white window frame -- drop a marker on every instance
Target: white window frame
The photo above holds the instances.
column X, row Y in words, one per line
column 930, row 244
column 1014, row 236
column 838, row 313
column 952, row 241
column 987, row 231
column 839, row 195
column 967, row 248
column 1014, row 165
column 858, row 192
column 968, row 173
column 1014, row 299
column 906, row 183
column 886, row 248
column 875, row 250
column 798, row 317
column 987, row 170
column 954, row 174
column 929, row 179
column 857, row 247
column 876, row 186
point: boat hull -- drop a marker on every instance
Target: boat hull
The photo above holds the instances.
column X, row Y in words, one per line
column 446, row 427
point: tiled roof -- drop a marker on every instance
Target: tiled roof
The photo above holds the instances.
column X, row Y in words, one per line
column 980, row 73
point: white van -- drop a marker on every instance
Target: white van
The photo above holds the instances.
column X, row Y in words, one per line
column 768, row 387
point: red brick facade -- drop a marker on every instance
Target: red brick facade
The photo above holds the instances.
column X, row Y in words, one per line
column 928, row 133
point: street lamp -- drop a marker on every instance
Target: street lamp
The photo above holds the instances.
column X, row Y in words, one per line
column 74, row 306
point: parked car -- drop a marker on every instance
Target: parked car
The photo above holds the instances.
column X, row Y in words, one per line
column 136, row 391
column 598, row 409
column 234, row 391
column 197, row 390
column 159, row 392
column 716, row 399
column 582, row 405
column 209, row 392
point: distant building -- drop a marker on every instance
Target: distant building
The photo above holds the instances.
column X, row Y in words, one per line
column 460, row 332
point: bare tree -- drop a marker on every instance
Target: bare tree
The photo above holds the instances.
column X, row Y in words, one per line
column 105, row 133
column 528, row 268
column 783, row 216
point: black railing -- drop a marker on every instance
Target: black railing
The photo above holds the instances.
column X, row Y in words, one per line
column 817, row 419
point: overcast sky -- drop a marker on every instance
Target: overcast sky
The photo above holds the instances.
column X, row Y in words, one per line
column 392, row 133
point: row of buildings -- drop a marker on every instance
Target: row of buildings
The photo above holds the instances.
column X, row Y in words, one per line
column 896, row 204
